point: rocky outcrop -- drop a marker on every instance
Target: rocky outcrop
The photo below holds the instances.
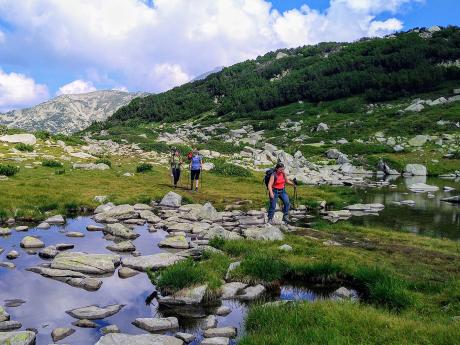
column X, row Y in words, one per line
column 28, row 139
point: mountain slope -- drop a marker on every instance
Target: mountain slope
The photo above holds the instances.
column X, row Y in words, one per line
column 68, row 113
column 377, row 69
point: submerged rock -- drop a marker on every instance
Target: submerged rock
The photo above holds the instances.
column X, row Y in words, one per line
column 126, row 272
column 216, row 341
column 156, row 324
column 84, row 323
column 186, row 337
column 141, row 339
column 125, row 246
column 95, row 312
column 110, row 329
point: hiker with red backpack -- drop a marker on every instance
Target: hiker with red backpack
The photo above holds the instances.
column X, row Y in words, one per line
column 276, row 180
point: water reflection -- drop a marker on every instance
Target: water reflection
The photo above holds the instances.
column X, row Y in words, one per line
column 47, row 299
column 428, row 216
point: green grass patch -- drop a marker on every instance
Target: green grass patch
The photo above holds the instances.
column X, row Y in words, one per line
column 8, row 170
column 24, row 147
column 144, row 167
column 327, row 322
column 105, row 161
column 50, row 163
column 364, row 149
column 228, row 169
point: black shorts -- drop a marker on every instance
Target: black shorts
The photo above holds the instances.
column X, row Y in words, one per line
column 195, row 175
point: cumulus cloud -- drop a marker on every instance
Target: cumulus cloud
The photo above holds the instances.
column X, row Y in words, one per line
column 153, row 46
column 18, row 90
column 75, row 87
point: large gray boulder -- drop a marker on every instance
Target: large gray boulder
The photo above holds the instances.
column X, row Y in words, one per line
column 171, row 199
column 57, row 219
column 60, row 333
column 17, row 338
column 94, row 312
column 155, row 261
column 28, row 139
column 418, row 140
column 264, row 233
column 415, row 170
column 86, row 263
column 207, row 212
column 141, row 339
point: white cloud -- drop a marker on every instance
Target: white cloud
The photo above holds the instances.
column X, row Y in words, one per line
column 18, row 90
column 75, row 87
column 2, row 36
column 153, row 48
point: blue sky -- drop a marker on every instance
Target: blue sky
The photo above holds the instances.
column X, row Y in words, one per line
column 52, row 47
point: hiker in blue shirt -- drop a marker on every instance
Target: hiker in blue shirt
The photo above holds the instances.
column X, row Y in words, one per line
column 196, row 164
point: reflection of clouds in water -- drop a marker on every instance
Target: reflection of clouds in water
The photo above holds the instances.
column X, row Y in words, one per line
column 48, row 299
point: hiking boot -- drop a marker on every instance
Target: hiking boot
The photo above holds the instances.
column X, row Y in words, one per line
column 270, row 221
column 286, row 219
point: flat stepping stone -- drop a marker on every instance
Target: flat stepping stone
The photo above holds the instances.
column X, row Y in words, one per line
column 61, row 333
column 22, row 228
column 186, row 337
column 252, row 292
column 75, row 234
column 210, row 322
column 125, row 246
column 177, row 242
column 9, row 326
column 64, row 246
column 84, row 323
column 48, row 252
column 231, row 290
column 5, row 231
column 43, row 226
column 12, row 255
column 155, row 261
column 223, row 311
column 86, row 263
column 31, row 242
column 215, row 341
column 93, row 227
column 222, row 332
column 186, row 296
column 58, row 219
column 8, row 265
column 121, row 231
column 126, row 272
column 17, row 338
column 95, row 312
column 141, row 339
column 156, row 324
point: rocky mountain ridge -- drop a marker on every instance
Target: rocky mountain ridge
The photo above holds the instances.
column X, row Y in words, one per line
column 69, row 113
